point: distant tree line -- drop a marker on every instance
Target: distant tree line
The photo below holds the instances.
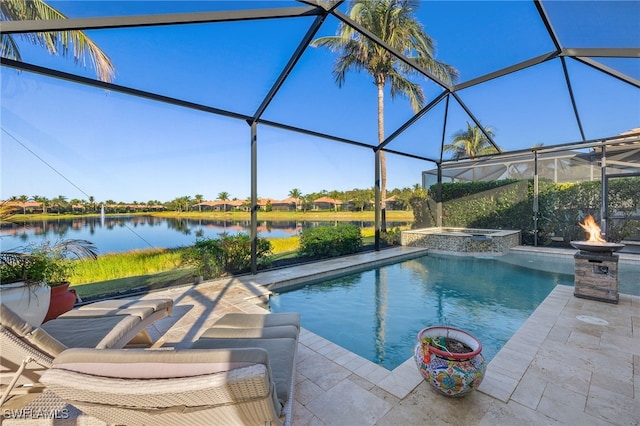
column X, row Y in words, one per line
column 359, row 200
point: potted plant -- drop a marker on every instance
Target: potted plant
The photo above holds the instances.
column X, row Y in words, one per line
column 450, row 359
column 58, row 261
column 21, row 289
column 46, row 265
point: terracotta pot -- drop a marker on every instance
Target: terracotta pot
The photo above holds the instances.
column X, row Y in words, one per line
column 62, row 300
column 453, row 374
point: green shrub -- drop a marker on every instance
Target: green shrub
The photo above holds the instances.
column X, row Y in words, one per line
column 391, row 237
column 453, row 191
column 330, row 241
column 229, row 254
column 508, row 204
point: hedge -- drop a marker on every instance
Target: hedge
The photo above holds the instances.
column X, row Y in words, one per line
column 330, row 241
column 508, row 204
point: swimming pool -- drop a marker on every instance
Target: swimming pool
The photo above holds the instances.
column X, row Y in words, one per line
column 378, row 313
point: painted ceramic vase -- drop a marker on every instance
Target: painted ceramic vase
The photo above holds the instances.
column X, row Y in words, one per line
column 451, row 373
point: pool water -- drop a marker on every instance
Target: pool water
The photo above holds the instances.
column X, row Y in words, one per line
column 378, row 313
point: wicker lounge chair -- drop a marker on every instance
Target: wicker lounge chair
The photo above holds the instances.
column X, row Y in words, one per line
column 25, row 351
column 241, row 371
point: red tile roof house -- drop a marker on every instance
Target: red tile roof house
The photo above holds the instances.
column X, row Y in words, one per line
column 264, row 202
column 326, row 203
column 220, row 206
column 288, row 204
column 125, row 208
column 29, row 206
column 392, row 203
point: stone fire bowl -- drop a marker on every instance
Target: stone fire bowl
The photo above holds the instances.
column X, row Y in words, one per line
column 596, row 246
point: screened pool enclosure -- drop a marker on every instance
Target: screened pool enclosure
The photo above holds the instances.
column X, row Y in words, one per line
column 215, row 95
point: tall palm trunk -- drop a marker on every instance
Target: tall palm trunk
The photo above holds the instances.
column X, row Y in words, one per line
column 380, row 79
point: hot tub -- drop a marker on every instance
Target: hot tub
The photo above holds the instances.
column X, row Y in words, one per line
column 462, row 241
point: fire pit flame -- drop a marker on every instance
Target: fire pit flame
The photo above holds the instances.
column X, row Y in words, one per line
column 592, row 229
column 596, row 265
column 595, row 243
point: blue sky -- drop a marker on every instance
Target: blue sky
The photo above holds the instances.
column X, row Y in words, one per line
column 60, row 138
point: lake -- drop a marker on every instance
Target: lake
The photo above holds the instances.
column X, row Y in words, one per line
column 124, row 233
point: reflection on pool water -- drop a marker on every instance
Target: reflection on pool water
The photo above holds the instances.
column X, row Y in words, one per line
column 378, row 313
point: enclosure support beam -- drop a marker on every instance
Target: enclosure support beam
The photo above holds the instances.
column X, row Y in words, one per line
column 605, row 188
column 377, row 213
column 439, row 197
column 572, row 97
column 535, row 199
column 97, row 23
column 254, row 198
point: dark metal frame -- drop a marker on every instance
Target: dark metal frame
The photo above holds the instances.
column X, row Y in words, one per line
column 321, row 10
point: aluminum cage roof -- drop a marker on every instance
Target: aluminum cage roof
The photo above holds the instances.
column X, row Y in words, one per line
column 566, row 41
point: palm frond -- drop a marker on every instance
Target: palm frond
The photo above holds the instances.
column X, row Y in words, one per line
column 471, row 142
column 401, row 86
column 9, row 48
column 60, row 42
column 79, row 248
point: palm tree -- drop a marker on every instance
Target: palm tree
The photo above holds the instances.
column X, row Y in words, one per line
column 60, row 42
column 223, row 196
column 471, row 142
column 394, row 22
column 336, row 195
column 360, row 198
column 198, row 198
column 23, row 200
column 44, row 201
column 74, row 202
column 297, row 194
column 60, row 203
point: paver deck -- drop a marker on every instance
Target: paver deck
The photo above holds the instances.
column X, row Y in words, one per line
column 574, row 361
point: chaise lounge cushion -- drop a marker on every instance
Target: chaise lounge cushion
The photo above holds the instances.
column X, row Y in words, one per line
column 166, row 387
column 25, row 352
column 34, row 337
column 280, row 331
column 140, row 308
column 93, row 332
column 241, row 371
column 281, row 357
column 99, row 313
column 156, row 304
column 157, row 364
column 237, row 320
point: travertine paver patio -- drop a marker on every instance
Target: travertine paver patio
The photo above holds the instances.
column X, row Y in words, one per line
column 557, row 368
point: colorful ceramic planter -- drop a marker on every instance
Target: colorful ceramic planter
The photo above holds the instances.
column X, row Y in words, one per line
column 453, row 374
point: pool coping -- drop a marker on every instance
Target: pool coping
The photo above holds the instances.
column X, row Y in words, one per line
column 504, row 374
column 402, row 380
column 331, row 268
column 334, row 385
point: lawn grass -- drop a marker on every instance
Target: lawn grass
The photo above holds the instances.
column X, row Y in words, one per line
column 143, row 270
column 128, row 264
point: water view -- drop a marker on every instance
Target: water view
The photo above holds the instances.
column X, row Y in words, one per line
column 124, row 233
